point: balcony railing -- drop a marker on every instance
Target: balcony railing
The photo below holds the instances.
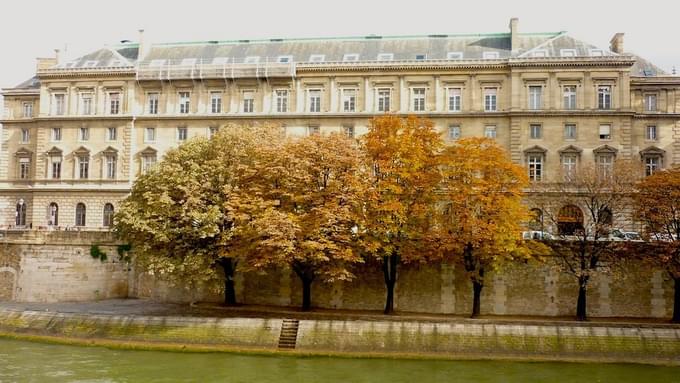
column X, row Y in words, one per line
column 176, row 70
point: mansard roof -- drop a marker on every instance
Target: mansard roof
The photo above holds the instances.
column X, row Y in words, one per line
column 334, row 49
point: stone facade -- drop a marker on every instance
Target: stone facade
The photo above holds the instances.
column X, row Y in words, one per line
column 543, row 96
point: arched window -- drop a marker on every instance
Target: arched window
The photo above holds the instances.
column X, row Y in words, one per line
column 108, row 215
column 21, row 213
column 80, row 214
column 53, row 214
column 570, row 220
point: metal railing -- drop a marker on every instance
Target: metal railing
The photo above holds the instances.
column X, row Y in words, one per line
column 176, row 70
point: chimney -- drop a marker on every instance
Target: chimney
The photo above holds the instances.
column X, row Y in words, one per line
column 616, row 43
column 45, row 62
column 142, row 46
column 514, row 35
column 57, row 56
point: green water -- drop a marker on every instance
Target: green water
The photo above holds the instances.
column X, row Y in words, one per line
column 36, row 362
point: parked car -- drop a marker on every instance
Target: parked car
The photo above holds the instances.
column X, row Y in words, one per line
column 537, row 235
column 620, row 235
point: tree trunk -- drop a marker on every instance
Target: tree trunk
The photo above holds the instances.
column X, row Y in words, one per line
column 581, row 302
column 390, row 273
column 229, row 266
column 306, row 275
column 476, row 300
column 676, row 302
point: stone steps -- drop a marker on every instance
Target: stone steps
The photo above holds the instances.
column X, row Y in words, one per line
column 289, row 331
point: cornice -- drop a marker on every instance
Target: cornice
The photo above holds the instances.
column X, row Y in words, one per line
column 67, row 73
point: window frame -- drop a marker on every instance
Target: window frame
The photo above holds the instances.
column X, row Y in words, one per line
column 111, row 137
column 454, row 132
column 27, row 109
column 490, row 99
column 535, row 131
column 490, row 131
column 248, row 101
column 454, row 101
column 655, row 133
column 418, row 99
column 314, row 100
column 535, row 166
column 569, row 97
column 604, row 97
column 153, row 101
column 182, row 133
column 605, row 137
column 348, row 97
column 215, row 102
column 114, row 102
column 184, row 102
column 535, row 97
column 148, row 139
column 384, row 100
column 281, row 100
column 569, row 137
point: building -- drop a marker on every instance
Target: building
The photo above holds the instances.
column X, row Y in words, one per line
column 78, row 133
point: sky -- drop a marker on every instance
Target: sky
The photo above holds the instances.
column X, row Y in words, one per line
column 31, row 28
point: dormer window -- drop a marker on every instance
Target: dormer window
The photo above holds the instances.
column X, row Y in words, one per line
column 539, row 53
column 317, row 58
column 385, row 56
column 596, row 52
column 490, row 55
column 220, row 60
column 568, row 52
column 454, row 55
column 350, row 57
column 421, row 57
column 252, row 59
column 90, row 64
column 284, row 59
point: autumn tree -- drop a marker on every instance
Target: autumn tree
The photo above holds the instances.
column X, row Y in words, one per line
column 302, row 210
column 482, row 209
column 657, row 206
column 583, row 207
column 403, row 159
column 175, row 216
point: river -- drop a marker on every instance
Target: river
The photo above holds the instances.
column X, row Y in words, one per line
column 37, row 362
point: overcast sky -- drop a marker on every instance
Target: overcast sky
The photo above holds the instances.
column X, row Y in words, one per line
column 31, row 29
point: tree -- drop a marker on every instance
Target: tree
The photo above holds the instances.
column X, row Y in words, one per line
column 175, row 216
column 657, row 206
column 584, row 245
column 403, row 158
column 483, row 213
column 302, row 210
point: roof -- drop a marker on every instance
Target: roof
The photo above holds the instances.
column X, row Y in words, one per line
column 644, row 68
column 31, row 83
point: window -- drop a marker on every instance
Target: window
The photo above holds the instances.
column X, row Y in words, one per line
column 108, row 215
column 383, row 100
column 605, row 132
column 28, row 109
column 650, row 103
column 539, row 53
column 248, row 101
column 317, row 58
column 84, row 134
column 569, row 165
column 153, row 103
column 314, row 100
column 148, row 161
column 212, row 131
column 181, row 134
column 605, row 162
column 83, row 166
column 90, row 63
column 652, row 164
column 490, row 132
column 284, row 59
column 80, row 214
column 56, row 134
column 569, row 97
column 53, row 214
column 535, row 93
column 535, row 131
column 215, row 102
column 282, row 100
column 220, row 60
column 349, row 131
column 569, row 131
column 454, row 132
column 454, row 99
column 313, row 130
column 535, row 163
column 604, row 97
column 349, row 98
column 58, row 104
column 149, row 134
column 20, row 218
column 184, row 102
column 490, row 101
column 110, row 166
column 418, row 95
column 568, row 52
column 114, row 103
column 385, row 56
column 650, row 133
column 111, row 134
column 25, row 135
column 421, row 57
column 86, row 104
column 454, row 55
column 489, row 55
column 350, row 57
column 596, row 52
column 24, row 168
column 252, row 59
column 56, row 167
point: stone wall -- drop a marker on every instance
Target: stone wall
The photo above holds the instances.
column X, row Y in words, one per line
column 57, row 266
